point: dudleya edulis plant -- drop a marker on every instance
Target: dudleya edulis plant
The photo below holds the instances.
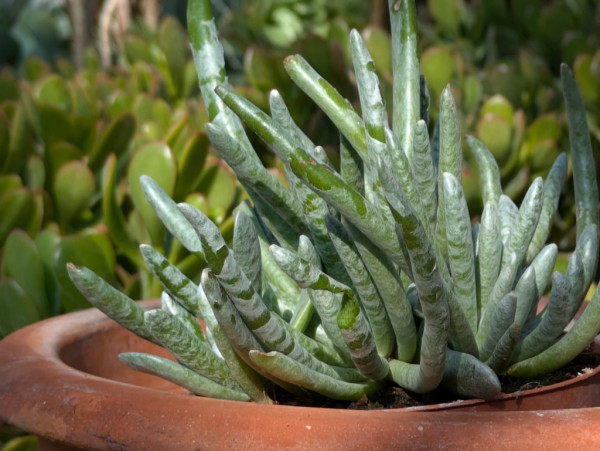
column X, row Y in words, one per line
column 372, row 273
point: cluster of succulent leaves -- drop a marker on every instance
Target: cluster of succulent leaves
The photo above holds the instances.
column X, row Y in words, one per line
column 72, row 147
column 370, row 272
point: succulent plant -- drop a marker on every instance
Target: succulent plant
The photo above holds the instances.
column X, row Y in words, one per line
column 370, row 273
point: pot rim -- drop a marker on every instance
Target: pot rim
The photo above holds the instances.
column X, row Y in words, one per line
column 76, row 394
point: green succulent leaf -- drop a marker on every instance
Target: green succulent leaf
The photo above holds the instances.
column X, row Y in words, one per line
column 189, row 162
column 406, row 73
column 115, row 139
column 180, row 375
column 461, row 259
column 292, row 371
column 9, row 182
column 274, row 201
column 323, row 291
column 500, row 357
column 19, row 143
column 552, row 189
column 489, row 254
column 21, row 209
column 502, row 318
column 363, row 284
column 166, row 209
column 19, row 310
column 46, row 242
column 335, row 106
column 247, row 378
column 21, row 261
column 387, row 282
column 172, row 279
column 357, row 334
column 567, row 347
column 189, row 349
column 246, row 247
column 587, row 249
column 113, row 215
column 220, row 188
column 582, row 158
column 93, row 250
column 109, row 300
column 424, row 173
column 172, row 40
column 489, row 173
column 526, row 223
column 155, row 160
column 174, row 308
column 450, row 160
column 73, row 188
column 527, row 294
column 551, row 324
column 468, row 376
column 249, row 304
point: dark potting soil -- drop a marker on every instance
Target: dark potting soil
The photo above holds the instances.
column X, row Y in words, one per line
column 393, row 396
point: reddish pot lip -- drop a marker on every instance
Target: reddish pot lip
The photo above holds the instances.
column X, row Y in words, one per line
column 43, row 395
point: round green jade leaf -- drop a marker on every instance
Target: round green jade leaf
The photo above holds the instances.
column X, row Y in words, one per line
column 53, row 90
column 92, row 250
column 173, row 42
column 438, row 67
column 499, row 105
column 73, row 188
column 115, row 138
column 379, row 44
column 20, row 208
column 547, row 126
column 190, row 164
column 496, row 133
column 219, row 185
column 55, row 125
column 58, row 154
column 157, row 161
column 18, row 310
column 22, row 262
column 586, row 78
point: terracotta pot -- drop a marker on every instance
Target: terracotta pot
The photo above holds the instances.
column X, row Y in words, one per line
column 61, row 379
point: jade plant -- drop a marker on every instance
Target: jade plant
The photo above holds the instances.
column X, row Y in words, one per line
column 504, row 56
column 354, row 277
column 72, row 147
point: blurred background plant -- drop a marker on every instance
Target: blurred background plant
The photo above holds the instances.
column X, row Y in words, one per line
column 72, row 146
column 503, row 59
